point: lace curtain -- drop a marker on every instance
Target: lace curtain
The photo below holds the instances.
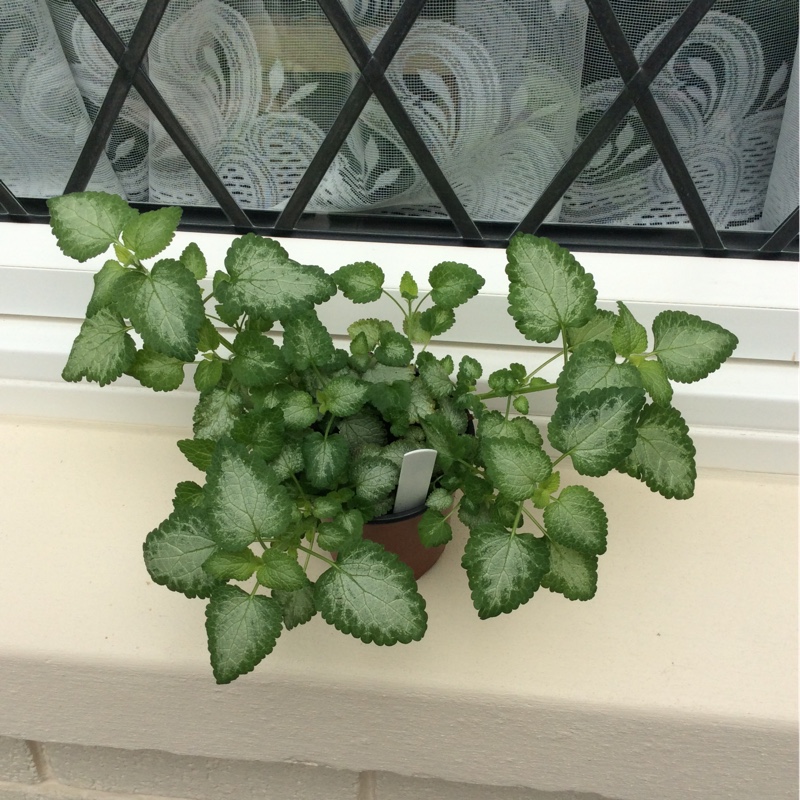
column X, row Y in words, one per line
column 501, row 91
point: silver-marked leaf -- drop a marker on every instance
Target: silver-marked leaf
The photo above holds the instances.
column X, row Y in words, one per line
column 688, row 347
column 157, row 371
column 434, row 528
column 440, row 500
column 577, row 520
column 325, row 459
column 244, row 498
column 374, row 477
column 102, row 350
column 149, row 233
column 86, row 223
column 593, row 366
column 514, row 466
column 175, row 551
column 629, row 336
column 265, row 282
column 193, row 259
column 188, row 494
column 504, row 569
column 306, row 341
column 262, row 431
column 281, row 571
column 216, row 413
column 105, row 280
column 198, row 452
column 597, row 428
column 394, row 350
column 361, row 282
column 343, row 396
column 257, row 360
column 599, row 328
column 493, row 425
column 298, row 607
column 435, row 320
column 372, row 595
column 571, row 573
column 242, row 629
column 299, row 411
column 549, row 289
column 165, row 307
column 343, row 531
column 663, row 456
column 452, row 284
column 372, row 329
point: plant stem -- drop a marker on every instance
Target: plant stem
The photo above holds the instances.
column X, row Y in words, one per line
column 423, row 299
column 224, row 341
column 526, row 390
column 533, row 520
column 544, row 364
column 395, row 301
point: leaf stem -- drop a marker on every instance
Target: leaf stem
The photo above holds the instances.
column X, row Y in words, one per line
column 423, row 299
column 317, row 555
column 526, row 390
column 543, row 365
column 533, row 520
column 396, row 302
column 224, row 341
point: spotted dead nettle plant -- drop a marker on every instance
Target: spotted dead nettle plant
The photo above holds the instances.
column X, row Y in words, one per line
column 299, row 440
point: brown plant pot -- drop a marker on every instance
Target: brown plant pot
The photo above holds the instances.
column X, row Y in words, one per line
column 398, row 534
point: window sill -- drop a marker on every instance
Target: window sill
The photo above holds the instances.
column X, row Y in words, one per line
column 744, row 416
column 686, row 657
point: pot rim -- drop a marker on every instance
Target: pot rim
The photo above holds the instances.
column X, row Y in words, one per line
column 399, row 516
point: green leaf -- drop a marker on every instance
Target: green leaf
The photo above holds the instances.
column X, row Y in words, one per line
column 297, row 607
column 521, row 404
column 165, row 307
column 175, row 551
column 188, row 494
column 257, row 360
column 493, row 425
column 541, row 496
column 688, row 347
column 549, row 289
column 193, row 259
column 325, row 459
column 361, row 282
column 629, row 336
column 209, row 337
column 216, row 414
column 306, row 341
column 442, row 438
column 577, row 520
column 572, row 574
column 207, row 375
column 281, row 571
column 241, row 630
column 105, row 281
column 408, row 287
column 343, row 396
column 469, row 372
column 593, row 366
column 372, row 595
column 515, row 467
column 655, row 381
column 372, row 329
column 102, row 350
column 394, row 350
column 600, row 328
column 157, row 371
column 86, row 223
column 238, row 566
column 393, row 400
column 374, row 477
column 504, row 569
column 434, row 528
column 198, row 452
column 436, row 320
column 663, row 456
column 363, row 427
column 597, row 428
column 245, row 500
column 453, row 284
column 262, row 431
column 265, row 282
column 149, row 233
column 413, row 328
column 343, row 531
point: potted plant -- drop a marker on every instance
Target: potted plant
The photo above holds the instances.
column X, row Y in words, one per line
column 302, row 441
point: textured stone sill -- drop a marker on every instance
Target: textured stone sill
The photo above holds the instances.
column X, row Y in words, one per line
column 679, row 680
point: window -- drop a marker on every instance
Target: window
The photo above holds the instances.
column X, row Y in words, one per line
column 603, row 123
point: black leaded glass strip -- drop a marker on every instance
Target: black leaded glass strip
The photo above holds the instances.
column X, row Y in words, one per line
column 783, row 234
column 656, row 126
column 111, row 40
column 614, row 114
column 10, row 203
column 95, row 144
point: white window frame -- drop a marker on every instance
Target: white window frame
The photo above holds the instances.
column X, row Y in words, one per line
column 744, row 417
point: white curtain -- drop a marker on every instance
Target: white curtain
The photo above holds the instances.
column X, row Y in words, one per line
column 500, row 90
